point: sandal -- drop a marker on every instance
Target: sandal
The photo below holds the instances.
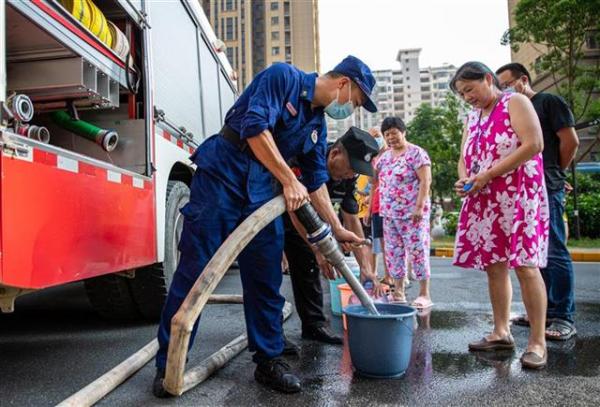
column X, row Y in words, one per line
column 398, row 299
column 531, row 360
column 422, row 303
column 520, row 320
column 484, row 344
column 565, row 329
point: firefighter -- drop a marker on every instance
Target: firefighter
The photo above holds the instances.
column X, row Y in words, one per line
column 305, row 262
column 280, row 115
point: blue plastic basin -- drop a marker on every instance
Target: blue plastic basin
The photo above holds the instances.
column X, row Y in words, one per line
column 380, row 345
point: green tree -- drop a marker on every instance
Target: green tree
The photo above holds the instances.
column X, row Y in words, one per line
column 439, row 131
column 559, row 30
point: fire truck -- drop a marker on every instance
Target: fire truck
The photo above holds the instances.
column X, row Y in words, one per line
column 101, row 104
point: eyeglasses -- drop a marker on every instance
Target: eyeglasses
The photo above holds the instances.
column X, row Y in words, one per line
column 508, row 84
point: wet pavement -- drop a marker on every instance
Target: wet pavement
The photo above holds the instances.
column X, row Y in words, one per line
column 69, row 347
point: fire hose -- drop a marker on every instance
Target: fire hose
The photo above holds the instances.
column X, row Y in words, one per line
column 107, row 139
column 177, row 381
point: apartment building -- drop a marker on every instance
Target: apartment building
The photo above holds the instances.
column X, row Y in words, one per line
column 399, row 92
column 260, row 32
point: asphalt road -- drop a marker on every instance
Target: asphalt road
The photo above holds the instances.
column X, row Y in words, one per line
column 54, row 344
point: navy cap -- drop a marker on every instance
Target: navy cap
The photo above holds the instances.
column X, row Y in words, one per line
column 361, row 148
column 360, row 73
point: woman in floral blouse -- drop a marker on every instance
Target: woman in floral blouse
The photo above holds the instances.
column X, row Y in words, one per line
column 404, row 175
column 503, row 221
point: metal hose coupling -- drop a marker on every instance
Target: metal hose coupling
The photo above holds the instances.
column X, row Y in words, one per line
column 319, row 234
column 39, row 133
column 21, row 107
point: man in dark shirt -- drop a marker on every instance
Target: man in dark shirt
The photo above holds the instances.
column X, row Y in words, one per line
column 358, row 147
column 560, row 147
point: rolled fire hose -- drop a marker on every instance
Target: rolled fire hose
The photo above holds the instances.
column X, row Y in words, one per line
column 120, row 44
column 107, row 139
column 86, row 12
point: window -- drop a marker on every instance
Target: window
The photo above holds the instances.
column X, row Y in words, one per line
column 275, row 20
column 229, row 5
column 229, row 29
column 274, row 6
column 286, row 21
column 275, row 51
column 407, row 69
column 275, row 36
column 288, row 37
column 288, row 53
column 286, row 8
column 229, row 53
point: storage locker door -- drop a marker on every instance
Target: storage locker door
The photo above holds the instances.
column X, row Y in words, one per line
column 175, row 62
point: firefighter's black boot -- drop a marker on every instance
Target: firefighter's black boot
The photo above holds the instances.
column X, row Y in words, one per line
column 275, row 373
column 157, row 387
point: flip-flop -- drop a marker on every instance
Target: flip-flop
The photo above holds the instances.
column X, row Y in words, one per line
column 565, row 330
column 421, row 305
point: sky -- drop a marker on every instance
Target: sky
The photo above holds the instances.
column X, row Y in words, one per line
column 447, row 31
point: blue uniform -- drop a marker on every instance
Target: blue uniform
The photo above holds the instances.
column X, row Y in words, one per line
column 230, row 184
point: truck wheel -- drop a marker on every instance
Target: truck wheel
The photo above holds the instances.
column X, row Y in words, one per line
column 111, row 297
column 151, row 284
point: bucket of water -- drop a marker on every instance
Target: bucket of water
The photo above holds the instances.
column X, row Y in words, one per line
column 380, row 345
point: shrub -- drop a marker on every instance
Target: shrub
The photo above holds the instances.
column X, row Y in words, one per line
column 589, row 214
column 450, row 222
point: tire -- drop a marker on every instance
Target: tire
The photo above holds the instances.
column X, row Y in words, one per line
column 151, row 284
column 111, row 297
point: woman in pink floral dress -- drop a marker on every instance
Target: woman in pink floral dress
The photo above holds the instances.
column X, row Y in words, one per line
column 503, row 221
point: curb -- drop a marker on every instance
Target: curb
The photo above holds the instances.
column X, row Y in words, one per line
column 576, row 255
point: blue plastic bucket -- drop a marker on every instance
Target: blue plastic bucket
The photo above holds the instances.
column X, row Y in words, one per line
column 336, row 299
column 380, row 345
